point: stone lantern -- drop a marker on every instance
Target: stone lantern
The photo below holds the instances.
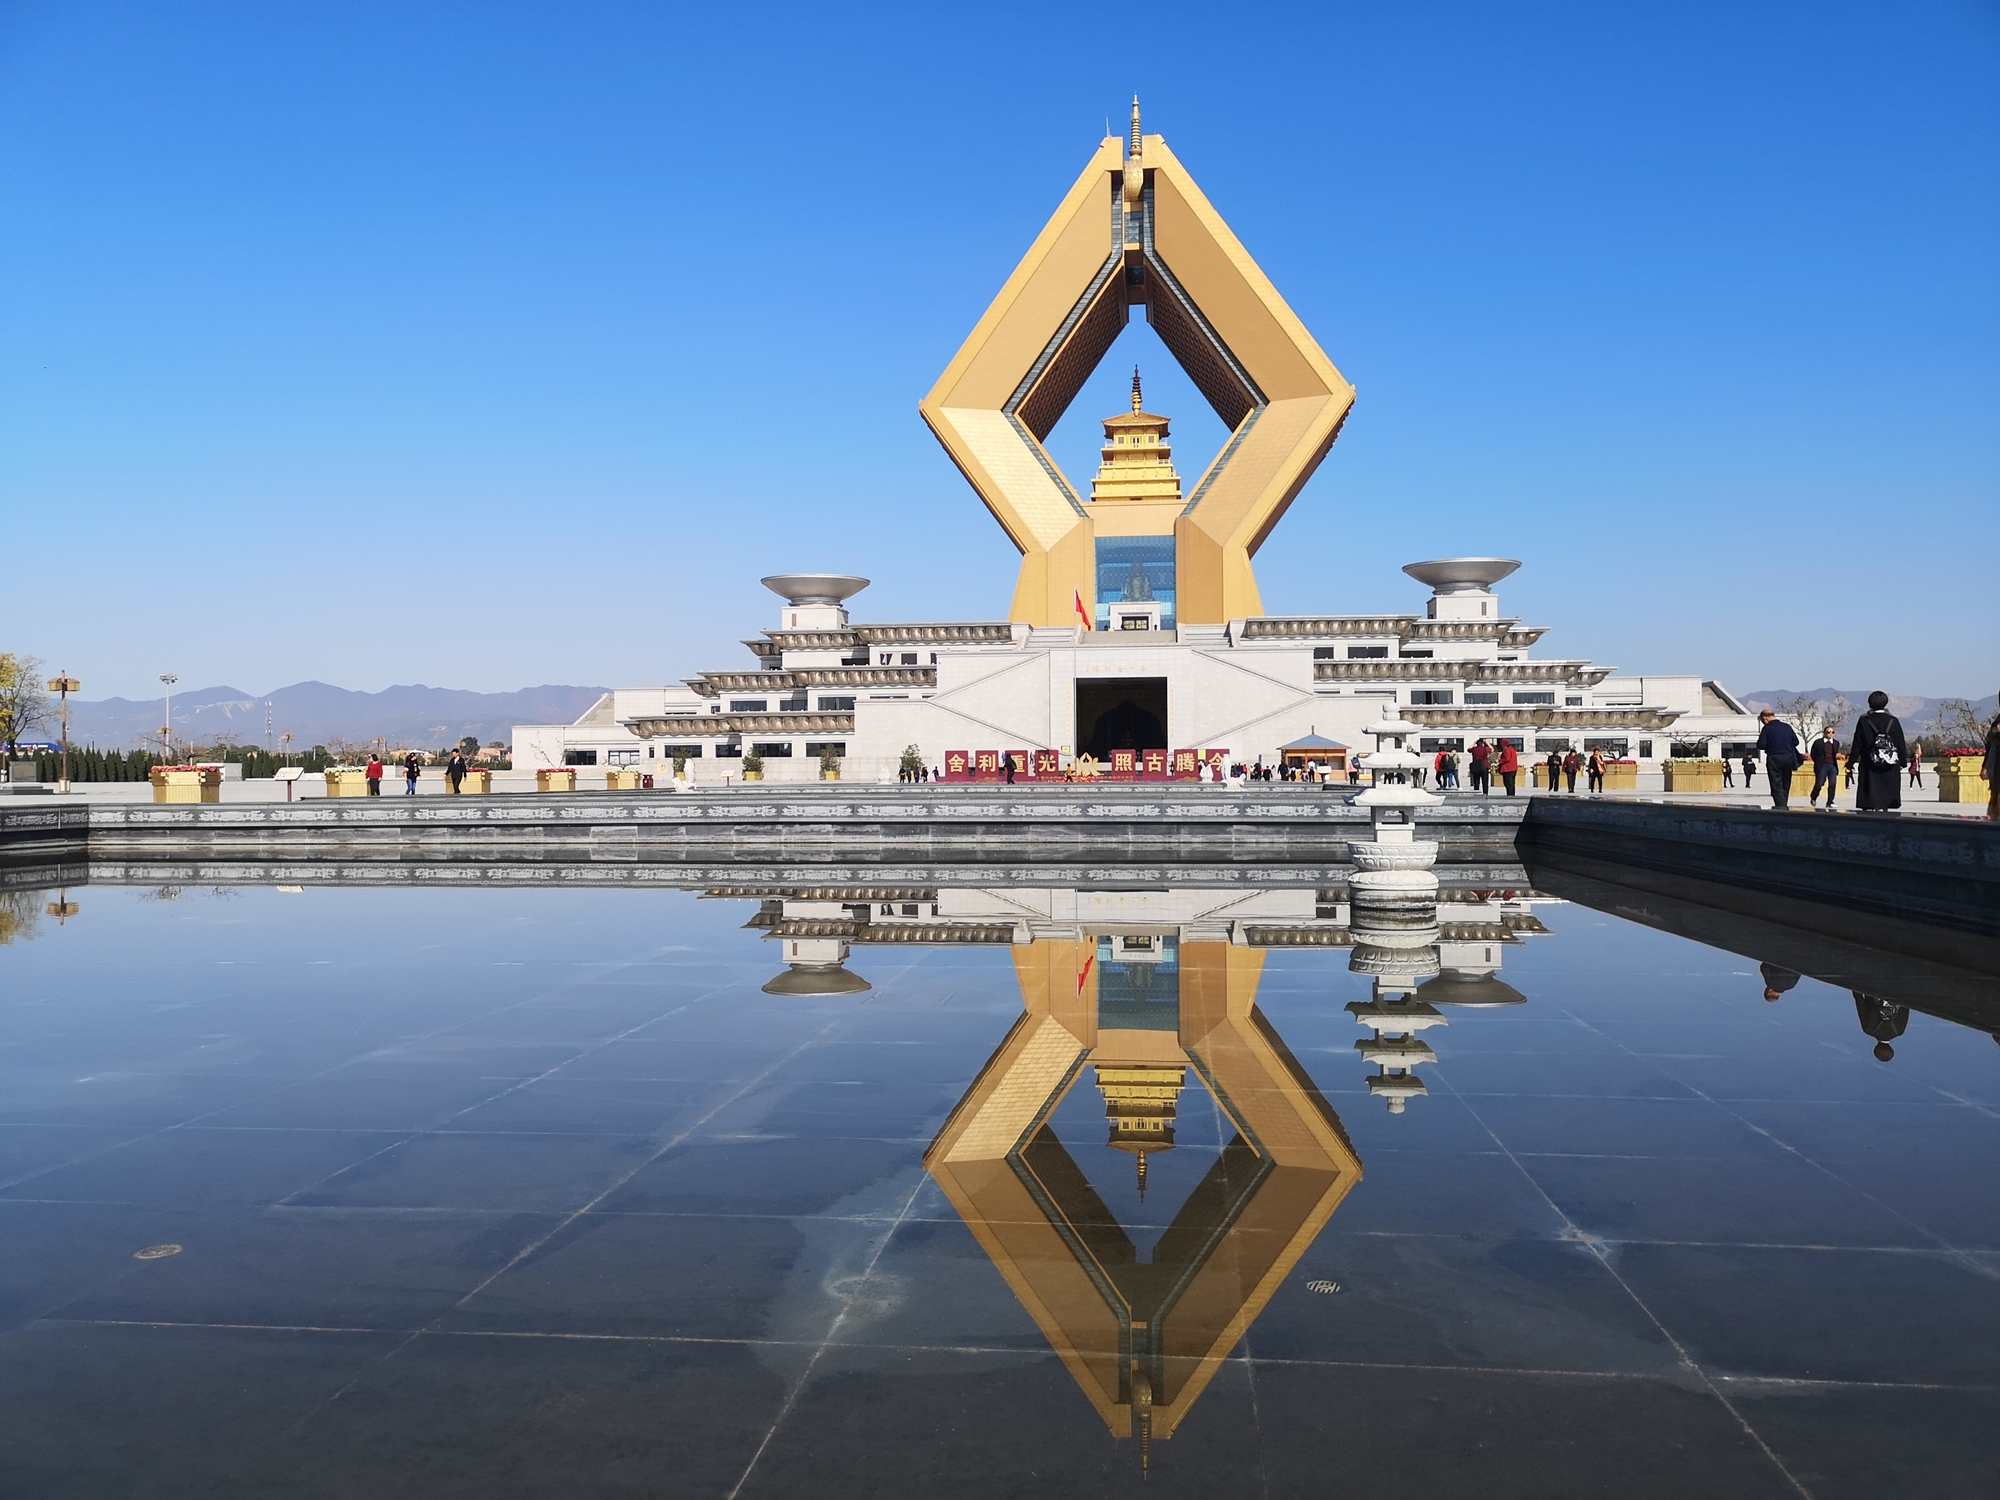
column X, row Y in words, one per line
column 1395, row 867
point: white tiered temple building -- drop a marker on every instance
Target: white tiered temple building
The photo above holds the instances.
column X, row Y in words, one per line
column 1462, row 670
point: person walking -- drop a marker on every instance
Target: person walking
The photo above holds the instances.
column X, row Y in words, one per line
column 411, row 765
column 1877, row 754
column 1451, row 769
column 1510, row 765
column 1596, row 769
column 1749, row 769
column 454, row 772
column 1825, row 755
column 1989, row 769
column 1728, row 781
column 1572, row 763
column 375, row 769
column 1553, row 769
column 1010, row 766
column 1482, row 768
column 1916, row 762
column 1779, row 743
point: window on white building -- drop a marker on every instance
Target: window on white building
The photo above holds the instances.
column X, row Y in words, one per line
column 836, row 705
column 1548, row 698
column 1431, row 695
column 579, row 757
column 1472, row 698
column 1366, row 653
column 748, row 705
column 909, row 658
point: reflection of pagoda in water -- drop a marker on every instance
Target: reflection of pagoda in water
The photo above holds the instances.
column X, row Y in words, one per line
column 1138, row 995
column 1136, row 1011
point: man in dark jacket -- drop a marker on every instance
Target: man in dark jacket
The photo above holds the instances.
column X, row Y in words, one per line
column 1826, row 766
column 1779, row 746
column 1877, row 757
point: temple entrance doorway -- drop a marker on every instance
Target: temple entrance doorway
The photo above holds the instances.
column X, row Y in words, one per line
column 1120, row 713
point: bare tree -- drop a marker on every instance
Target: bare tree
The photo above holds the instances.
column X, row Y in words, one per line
column 1956, row 725
column 24, row 701
column 1801, row 711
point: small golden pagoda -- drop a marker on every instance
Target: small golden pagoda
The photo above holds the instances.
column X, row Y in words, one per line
column 1141, row 1101
column 1138, row 463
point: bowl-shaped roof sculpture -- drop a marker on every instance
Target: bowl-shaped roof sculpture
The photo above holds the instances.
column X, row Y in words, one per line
column 1462, row 575
column 1456, row 988
column 815, row 588
column 803, row 981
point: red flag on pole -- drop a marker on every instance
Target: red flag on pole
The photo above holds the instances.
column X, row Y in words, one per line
column 1081, row 613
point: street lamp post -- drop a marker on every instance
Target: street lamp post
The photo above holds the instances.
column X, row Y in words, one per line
column 167, row 734
column 62, row 687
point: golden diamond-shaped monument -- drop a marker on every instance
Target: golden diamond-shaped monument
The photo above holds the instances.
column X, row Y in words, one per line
column 1134, row 230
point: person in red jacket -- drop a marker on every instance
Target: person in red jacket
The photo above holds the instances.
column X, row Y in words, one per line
column 374, row 775
column 1509, row 765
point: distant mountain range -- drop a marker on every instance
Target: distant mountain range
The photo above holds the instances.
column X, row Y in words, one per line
column 315, row 713
column 1915, row 712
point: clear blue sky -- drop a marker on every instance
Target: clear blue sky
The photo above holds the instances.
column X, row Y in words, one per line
column 484, row 345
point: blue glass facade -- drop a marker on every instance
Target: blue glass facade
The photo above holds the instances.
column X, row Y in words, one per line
column 1135, row 569
column 1139, row 994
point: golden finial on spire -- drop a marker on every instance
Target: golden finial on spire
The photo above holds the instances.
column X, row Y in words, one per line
column 1135, row 173
column 1136, row 404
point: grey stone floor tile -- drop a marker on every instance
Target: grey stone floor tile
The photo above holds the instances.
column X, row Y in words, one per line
column 1842, row 1315
column 1864, row 1442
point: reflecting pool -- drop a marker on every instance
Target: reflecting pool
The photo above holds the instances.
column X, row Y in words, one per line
column 983, row 1186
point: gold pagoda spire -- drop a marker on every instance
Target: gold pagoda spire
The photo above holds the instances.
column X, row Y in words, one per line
column 1138, row 463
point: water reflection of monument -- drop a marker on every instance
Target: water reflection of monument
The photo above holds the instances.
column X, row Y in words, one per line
column 1140, row 996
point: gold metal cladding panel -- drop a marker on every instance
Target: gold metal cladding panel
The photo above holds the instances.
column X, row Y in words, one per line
column 1019, row 492
column 1270, row 465
column 1057, row 270
column 1039, row 1069
column 1234, row 295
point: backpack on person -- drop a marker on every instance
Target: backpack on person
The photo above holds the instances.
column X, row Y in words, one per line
column 1882, row 752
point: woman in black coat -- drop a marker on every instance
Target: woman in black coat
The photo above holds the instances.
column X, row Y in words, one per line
column 1877, row 757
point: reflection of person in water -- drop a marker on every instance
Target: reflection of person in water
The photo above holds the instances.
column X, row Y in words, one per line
column 1776, row 980
column 1882, row 1019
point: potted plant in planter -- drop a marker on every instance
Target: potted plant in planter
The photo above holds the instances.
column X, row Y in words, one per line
column 753, row 767
column 829, row 764
column 1958, row 776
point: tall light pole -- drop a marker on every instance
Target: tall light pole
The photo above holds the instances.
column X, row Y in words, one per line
column 167, row 734
column 62, row 687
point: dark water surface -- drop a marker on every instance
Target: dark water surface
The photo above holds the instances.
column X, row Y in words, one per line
column 537, row 1192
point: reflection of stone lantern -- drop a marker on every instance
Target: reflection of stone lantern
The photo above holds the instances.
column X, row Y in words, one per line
column 1395, row 943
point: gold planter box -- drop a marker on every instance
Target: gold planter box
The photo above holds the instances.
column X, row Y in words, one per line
column 347, row 781
column 1621, row 778
column 1802, row 779
column 753, row 775
column 1694, row 775
column 833, row 775
column 476, row 783
column 563, row 780
column 1955, row 785
column 623, row 779
column 171, row 784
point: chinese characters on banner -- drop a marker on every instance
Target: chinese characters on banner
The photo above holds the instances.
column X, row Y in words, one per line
column 1126, row 765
